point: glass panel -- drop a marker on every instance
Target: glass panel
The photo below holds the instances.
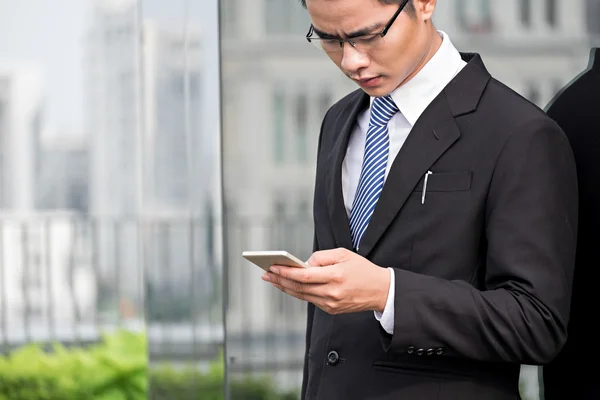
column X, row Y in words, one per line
column 179, row 70
column 70, row 270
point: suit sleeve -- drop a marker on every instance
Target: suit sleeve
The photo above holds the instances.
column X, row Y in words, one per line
column 310, row 307
column 310, row 311
column 521, row 315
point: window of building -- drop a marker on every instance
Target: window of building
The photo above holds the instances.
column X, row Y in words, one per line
column 279, row 223
column 279, row 209
column 285, row 17
column 474, row 16
column 324, row 103
column 593, row 16
column 557, row 86
column 461, row 13
column 551, row 13
column 304, row 210
column 302, row 127
column 532, row 93
column 229, row 17
column 525, row 12
column 2, row 147
column 279, row 126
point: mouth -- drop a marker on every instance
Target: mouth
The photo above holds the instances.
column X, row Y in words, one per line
column 369, row 82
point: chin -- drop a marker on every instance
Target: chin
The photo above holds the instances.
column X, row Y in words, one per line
column 377, row 91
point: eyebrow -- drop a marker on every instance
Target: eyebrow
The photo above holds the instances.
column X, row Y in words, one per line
column 361, row 32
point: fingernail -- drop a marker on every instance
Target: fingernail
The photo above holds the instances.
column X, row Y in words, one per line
column 275, row 270
column 266, row 278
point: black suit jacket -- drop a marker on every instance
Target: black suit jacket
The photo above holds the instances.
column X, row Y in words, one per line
column 483, row 269
column 571, row 375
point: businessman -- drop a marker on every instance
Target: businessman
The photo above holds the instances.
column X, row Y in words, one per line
column 445, row 215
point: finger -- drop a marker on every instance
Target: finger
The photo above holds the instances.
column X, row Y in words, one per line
column 319, row 290
column 327, row 257
column 311, row 298
column 278, row 280
column 305, row 275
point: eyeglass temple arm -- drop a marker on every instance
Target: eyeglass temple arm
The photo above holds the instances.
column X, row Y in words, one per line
column 398, row 11
column 310, row 32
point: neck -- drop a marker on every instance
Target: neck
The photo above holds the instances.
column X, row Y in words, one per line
column 432, row 46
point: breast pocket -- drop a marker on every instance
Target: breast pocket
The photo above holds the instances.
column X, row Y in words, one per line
column 443, row 219
column 445, row 182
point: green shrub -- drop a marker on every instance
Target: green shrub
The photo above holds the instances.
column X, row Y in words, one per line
column 116, row 369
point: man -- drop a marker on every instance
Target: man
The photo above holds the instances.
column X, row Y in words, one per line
column 442, row 282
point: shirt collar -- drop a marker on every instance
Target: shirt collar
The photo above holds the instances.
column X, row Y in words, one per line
column 414, row 96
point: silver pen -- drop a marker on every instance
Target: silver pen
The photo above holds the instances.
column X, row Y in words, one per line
column 425, row 186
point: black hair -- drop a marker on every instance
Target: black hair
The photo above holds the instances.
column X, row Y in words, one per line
column 409, row 8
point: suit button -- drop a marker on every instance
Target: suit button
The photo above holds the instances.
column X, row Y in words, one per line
column 420, row 352
column 439, row 351
column 410, row 350
column 430, row 352
column 333, row 357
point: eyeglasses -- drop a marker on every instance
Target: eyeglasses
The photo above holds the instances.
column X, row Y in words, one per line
column 363, row 43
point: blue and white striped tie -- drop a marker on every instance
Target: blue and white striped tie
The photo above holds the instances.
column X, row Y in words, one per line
column 372, row 175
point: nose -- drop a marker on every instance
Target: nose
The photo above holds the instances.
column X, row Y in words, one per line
column 352, row 59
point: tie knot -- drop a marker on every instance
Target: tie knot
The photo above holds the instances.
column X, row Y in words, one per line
column 382, row 110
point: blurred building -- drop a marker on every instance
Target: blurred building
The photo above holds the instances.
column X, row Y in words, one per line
column 171, row 85
column 533, row 46
column 113, row 119
column 143, row 91
column 20, row 116
column 148, row 178
column 46, row 281
column 45, row 276
column 113, row 108
column 62, row 173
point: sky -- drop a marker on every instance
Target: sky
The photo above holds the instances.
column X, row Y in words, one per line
column 48, row 34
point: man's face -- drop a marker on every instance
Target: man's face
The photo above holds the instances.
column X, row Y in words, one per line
column 386, row 65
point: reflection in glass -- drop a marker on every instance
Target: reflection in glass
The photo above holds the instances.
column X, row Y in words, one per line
column 179, row 136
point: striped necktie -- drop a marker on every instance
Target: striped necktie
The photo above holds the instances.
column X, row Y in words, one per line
column 372, row 175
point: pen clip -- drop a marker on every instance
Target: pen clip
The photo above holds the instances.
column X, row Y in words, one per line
column 425, row 186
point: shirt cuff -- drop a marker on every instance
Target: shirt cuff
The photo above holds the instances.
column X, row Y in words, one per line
column 386, row 319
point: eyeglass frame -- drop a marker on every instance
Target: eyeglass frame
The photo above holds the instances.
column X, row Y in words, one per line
column 341, row 41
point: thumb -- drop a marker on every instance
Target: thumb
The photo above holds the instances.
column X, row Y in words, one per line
column 327, row 257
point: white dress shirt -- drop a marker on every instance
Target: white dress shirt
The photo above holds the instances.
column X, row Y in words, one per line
column 412, row 98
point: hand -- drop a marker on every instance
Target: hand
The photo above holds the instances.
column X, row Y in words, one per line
column 338, row 282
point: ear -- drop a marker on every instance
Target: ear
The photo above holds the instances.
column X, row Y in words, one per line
column 424, row 9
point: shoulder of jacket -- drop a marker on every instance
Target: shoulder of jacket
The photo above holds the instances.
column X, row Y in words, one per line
column 342, row 105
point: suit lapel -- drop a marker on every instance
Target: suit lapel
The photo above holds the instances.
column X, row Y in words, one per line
column 433, row 134
column 344, row 126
